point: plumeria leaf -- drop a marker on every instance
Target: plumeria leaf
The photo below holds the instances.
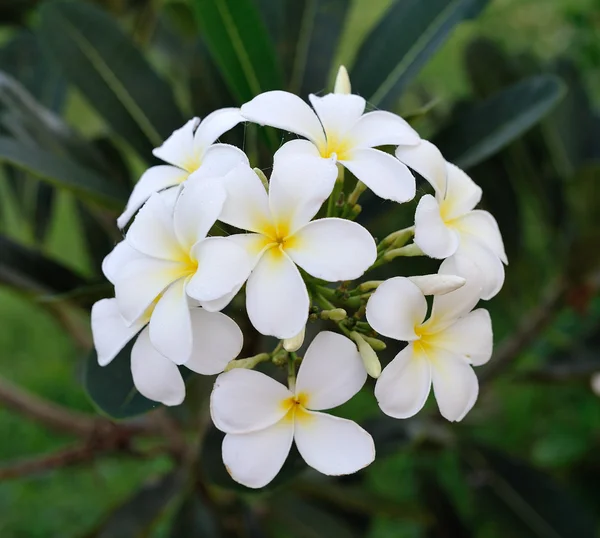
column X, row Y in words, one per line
column 98, row 58
column 194, row 518
column 240, row 45
column 400, row 45
column 492, row 124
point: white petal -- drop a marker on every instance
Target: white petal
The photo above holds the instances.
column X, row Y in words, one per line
column 196, row 210
column 153, row 180
column 462, row 193
column 217, row 340
column 285, row 111
column 380, row 128
column 110, row 331
column 331, row 372
column 337, row 112
column 333, row 249
column 298, row 187
column 117, row 259
column 155, row 376
column 455, row 385
column 470, row 337
column 437, row 284
column 253, row 244
column 427, row 160
column 219, row 304
column 331, row 445
column 296, row 148
column 276, row 297
column 404, row 384
column 247, row 203
column 178, row 149
column 152, row 230
column 213, row 126
column 222, row 267
column 254, row 459
column 218, row 160
column 244, row 401
column 385, row 175
column 171, row 326
column 432, row 235
column 489, row 265
column 396, row 308
column 483, row 226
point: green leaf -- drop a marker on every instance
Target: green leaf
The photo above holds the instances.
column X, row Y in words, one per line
column 63, row 173
column 492, row 124
column 97, row 57
column 400, row 45
column 194, row 518
column 240, row 45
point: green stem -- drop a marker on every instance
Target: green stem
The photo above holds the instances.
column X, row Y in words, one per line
column 337, row 189
column 292, row 371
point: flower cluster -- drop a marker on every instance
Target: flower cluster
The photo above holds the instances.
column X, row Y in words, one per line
column 206, row 229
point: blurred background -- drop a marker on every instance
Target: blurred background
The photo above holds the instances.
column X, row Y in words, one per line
column 508, row 89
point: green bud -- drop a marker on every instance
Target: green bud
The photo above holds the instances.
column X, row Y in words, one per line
column 294, row 343
column 249, row 362
column 370, row 285
column 375, row 343
column 408, row 250
column 369, row 357
column 335, row 314
column 262, row 177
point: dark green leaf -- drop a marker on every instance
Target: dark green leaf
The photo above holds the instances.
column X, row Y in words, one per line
column 194, row 518
column 98, row 241
column 400, row 45
column 62, row 173
column 240, row 45
column 110, row 71
column 492, row 124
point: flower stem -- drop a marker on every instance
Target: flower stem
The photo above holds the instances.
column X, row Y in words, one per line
column 332, row 208
column 292, row 371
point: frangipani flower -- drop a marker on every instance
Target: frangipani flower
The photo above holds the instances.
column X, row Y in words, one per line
column 216, row 340
column 261, row 417
column 331, row 249
column 440, row 352
column 338, row 129
column 167, row 256
column 447, row 224
column 189, row 149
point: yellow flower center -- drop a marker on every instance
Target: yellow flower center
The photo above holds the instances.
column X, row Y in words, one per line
column 192, row 163
column 296, row 407
column 341, row 147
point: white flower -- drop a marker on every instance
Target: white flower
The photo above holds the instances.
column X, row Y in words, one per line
column 166, row 256
column 447, row 224
column 216, row 340
column 331, row 249
column 261, row 417
column 440, row 352
column 338, row 129
column 187, row 150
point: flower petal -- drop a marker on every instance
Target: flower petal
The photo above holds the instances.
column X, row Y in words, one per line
column 483, row 226
column 331, row 371
column 253, row 244
column 470, row 337
column 333, row 446
column 404, row 384
column 110, row 331
column 285, row 111
column 170, row 324
column 337, row 112
column 432, row 235
column 254, row 459
column 153, row 180
column 298, row 187
column 178, row 149
column 489, row 265
column 333, row 249
column 385, row 175
column 213, row 126
column 296, row 148
column 155, row 376
column 222, row 266
column 396, row 308
column 380, row 128
column 462, row 193
column 117, row 259
column 276, row 297
column 244, row 401
column 216, row 305
column 427, row 160
column 455, row 385
column 247, row 203
column 218, row 160
column 217, row 340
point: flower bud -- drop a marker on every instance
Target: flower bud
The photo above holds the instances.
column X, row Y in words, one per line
column 437, row 284
column 342, row 81
column 295, row 342
column 375, row 343
column 335, row 314
column 368, row 355
column 262, row 177
column 595, row 383
column 370, row 285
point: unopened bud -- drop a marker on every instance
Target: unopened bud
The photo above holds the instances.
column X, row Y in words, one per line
column 368, row 355
column 595, row 383
column 375, row 343
column 342, row 82
column 335, row 314
column 295, row 342
column 370, row 285
column 408, row 251
column 437, row 284
column 398, row 239
column 262, row 177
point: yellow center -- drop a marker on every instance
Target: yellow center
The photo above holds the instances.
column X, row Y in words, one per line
column 295, row 407
column 334, row 144
column 192, row 163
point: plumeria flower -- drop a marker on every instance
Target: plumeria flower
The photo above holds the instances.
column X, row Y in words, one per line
column 216, row 340
column 338, row 129
column 262, row 417
column 441, row 350
column 283, row 236
column 189, row 149
column 167, row 256
column 448, row 224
